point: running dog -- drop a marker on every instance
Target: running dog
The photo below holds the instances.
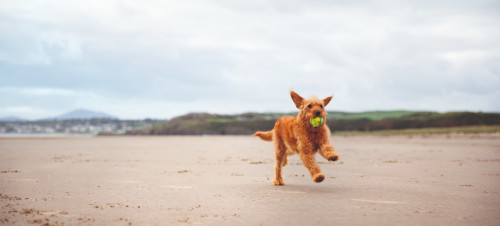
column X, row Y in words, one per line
column 305, row 134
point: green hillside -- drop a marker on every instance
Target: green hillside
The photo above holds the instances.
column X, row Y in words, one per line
column 248, row 123
column 371, row 115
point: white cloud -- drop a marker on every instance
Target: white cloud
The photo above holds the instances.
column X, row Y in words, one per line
column 225, row 56
column 36, row 92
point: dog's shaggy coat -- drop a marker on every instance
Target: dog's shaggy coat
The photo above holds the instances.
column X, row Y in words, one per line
column 296, row 135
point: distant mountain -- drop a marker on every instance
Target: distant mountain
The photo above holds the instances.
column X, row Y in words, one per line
column 83, row 114
column 11, row 119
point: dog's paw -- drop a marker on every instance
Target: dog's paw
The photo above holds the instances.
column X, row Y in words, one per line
column 318, row 177
column 278, row 182
column 333, row 157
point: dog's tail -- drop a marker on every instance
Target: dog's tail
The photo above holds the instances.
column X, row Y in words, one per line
column 266, row 136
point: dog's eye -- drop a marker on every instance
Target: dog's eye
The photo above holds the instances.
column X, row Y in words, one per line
column 309, row 106
column 321, row 106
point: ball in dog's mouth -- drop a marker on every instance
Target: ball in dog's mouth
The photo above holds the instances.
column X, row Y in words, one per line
column 317, row 121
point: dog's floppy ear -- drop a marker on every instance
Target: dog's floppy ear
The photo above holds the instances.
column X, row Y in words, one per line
column 297, row 99
column 327, row 100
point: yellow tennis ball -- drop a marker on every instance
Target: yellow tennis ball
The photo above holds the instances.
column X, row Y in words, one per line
column 317, row 121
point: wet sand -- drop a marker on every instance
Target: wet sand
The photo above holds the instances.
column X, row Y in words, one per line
column 227, row 180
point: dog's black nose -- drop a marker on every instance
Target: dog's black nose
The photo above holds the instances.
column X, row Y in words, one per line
column 317, row 113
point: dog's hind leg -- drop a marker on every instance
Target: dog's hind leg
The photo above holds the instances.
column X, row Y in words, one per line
column 285, row 161
column 280, row 158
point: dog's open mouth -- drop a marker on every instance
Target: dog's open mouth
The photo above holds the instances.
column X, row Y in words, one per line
column 316, row 121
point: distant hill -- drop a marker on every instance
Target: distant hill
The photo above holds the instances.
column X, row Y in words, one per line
column 371, row 115
column 12, row 119
column 248, row 123
column 82, row 114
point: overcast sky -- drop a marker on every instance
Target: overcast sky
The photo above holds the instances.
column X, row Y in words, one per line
column 159, row 59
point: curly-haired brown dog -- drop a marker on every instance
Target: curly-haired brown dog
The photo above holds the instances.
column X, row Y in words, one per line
column 293, row 135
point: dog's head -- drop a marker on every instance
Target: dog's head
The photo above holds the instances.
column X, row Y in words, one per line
column 311, row 108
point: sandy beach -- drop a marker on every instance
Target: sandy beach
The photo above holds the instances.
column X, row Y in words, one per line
column 227, row 180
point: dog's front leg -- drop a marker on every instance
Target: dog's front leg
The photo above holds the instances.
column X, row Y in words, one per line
column 328, row 152
column 307, row 156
